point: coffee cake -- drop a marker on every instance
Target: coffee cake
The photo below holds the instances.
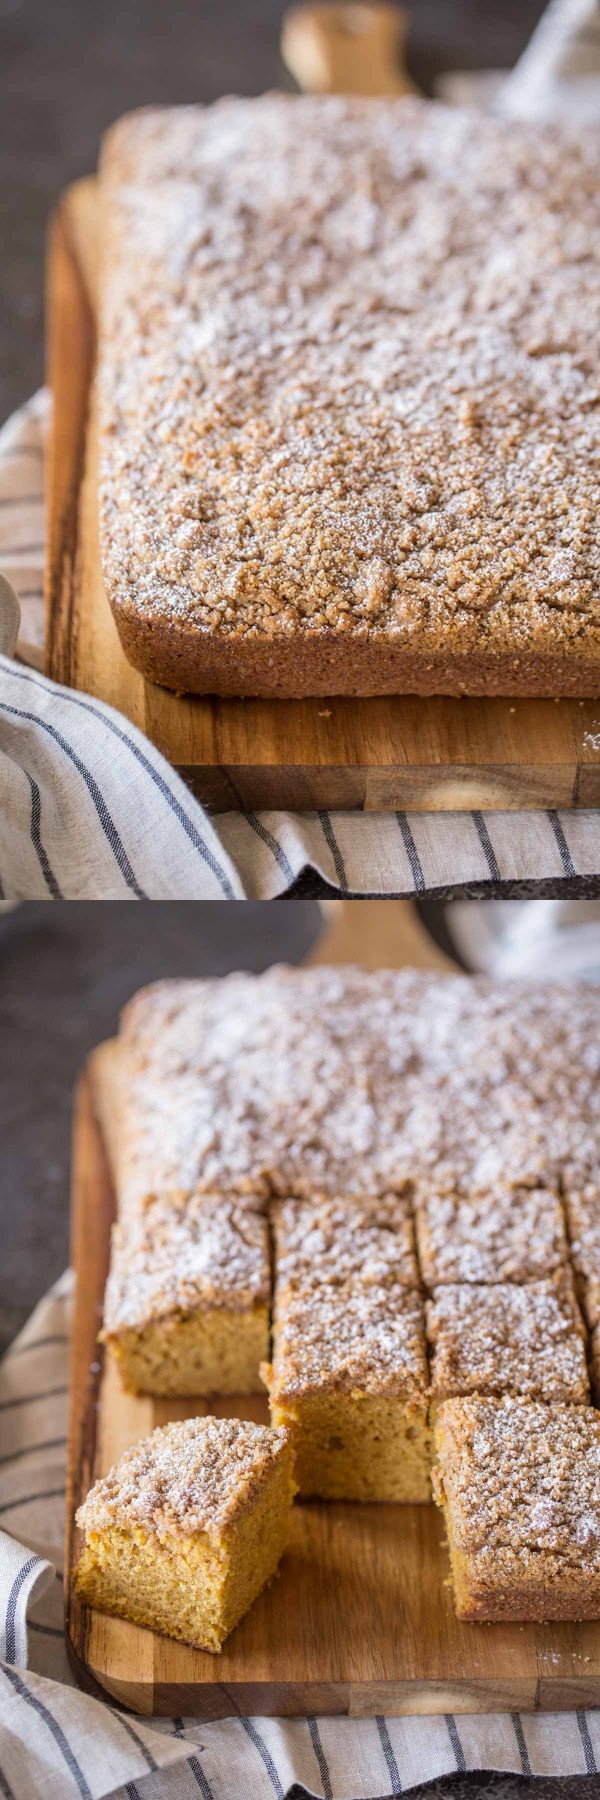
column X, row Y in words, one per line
column 187, row 1299
column 519, row 1484
column 507, row 1339
column 338, row 1081
column 187, row 1528
column 349, row 1375
column 348, row 398
column 506, row 1234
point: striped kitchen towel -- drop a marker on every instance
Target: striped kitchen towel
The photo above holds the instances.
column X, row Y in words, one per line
column 56, row 1741
column 90, row 810
column 558, row 75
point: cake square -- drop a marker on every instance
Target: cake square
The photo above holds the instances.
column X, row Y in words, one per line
column 188, row 1526
column 506, row 1339
column 583, row 1218
column 506, row 1235
column 519, row 1485
column 320, row 1241
column 188, row 1294
column 349, row 1370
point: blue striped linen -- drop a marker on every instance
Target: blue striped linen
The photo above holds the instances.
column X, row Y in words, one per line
column 90, row 810
column 56, row 1741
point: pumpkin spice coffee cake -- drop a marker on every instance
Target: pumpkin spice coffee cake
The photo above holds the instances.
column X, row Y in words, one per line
column 333, row 1081
column 519, row 1484
column 347, row 389
column 462, row 1238
column 187, row 1528
column 507, row 1339
column 321, row 1083
column 278, row 1138
column 187, row 1300
column 349, row 1372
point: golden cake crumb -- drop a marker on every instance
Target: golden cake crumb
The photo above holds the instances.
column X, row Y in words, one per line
column 349, row 1370
column 187, row 1527
column 187, row 1299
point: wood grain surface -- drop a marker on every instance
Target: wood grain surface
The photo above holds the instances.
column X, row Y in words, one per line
column 360, row 1618
column 374, row 755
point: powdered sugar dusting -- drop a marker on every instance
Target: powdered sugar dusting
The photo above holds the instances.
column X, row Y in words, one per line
column 345, row 1317
column 191, row 1476
column 462, row 1237
column 521, row 1478
column 338, row 1082
column 508, row 1339
column 174, row 1256
column 349, row 375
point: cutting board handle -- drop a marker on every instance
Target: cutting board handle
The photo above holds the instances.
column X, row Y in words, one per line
column 347, row 48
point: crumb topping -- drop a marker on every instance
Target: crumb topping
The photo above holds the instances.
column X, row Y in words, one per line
column 344, row 1317
column 336, row 1081
column 463, row 1238
column 348, row 377
column 353, row 1339
column 507, row 1339
column 521, row 1479
column 192, row 1476
column 174, row 1256
column 339, row 1241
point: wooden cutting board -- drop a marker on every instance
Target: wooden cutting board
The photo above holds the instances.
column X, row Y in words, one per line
column 360, row 1618
column 374, row 755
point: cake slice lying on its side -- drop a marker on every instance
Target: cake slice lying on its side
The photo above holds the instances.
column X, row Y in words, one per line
column 349, row 1372
column 187, row 1298
column 519, row 1484
column 186, row 1529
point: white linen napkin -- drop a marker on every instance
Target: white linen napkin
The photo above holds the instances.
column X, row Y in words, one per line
column 56, row 1741
column 90, row 810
